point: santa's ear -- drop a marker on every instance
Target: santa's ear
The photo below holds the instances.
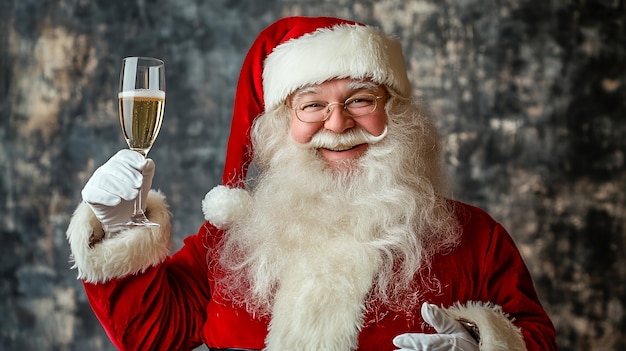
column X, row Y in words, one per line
column 223, row 206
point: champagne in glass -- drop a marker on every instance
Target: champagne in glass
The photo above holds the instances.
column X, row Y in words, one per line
column 141, row 114
column 141, row 106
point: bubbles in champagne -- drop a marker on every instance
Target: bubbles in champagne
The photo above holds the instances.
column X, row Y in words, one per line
column 141, row 115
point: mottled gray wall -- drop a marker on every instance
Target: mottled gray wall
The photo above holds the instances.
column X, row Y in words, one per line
column 530, row 97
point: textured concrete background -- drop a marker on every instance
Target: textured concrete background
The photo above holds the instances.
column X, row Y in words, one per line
column 530, row 97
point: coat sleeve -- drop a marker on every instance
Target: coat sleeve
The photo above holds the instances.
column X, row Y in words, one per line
column 511, row 283
column 507, row 310
column 144, row 299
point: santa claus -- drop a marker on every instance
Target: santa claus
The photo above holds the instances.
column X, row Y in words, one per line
column 341, row 239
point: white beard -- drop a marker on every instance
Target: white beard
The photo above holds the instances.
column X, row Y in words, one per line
column 322, row 241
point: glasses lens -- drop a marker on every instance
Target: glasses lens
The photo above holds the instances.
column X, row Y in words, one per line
column 361, row 105
column 312, row 111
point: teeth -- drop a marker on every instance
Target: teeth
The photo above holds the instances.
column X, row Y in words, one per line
column 341, row 147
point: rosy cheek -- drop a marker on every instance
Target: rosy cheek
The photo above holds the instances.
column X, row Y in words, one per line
column 376, row 124
column 303, row 132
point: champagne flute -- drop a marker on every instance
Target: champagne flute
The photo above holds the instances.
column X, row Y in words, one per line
column 141, row 106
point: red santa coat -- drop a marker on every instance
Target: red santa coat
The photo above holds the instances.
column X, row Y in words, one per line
column 170, row 302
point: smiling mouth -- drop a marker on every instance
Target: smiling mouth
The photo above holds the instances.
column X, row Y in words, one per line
column 341, row 148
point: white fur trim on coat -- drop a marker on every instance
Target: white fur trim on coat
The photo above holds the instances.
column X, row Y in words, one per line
column 223, row 205
column 128, row 252
column 497, row 331
column 343, row 51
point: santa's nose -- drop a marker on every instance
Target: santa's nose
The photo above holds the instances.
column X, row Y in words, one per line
column 338, row 120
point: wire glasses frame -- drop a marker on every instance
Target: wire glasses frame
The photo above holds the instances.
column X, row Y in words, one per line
column 354, row 106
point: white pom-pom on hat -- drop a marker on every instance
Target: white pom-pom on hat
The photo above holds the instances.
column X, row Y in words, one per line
column 223, row 205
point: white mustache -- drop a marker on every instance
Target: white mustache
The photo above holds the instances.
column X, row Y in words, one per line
column 338, row 142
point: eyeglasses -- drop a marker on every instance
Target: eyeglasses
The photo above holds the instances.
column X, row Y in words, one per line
column 354, row 106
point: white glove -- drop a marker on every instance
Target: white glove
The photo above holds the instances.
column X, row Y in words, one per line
column 452, row 335
column 112, row 189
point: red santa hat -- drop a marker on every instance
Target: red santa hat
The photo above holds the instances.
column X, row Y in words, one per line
column 291, row 53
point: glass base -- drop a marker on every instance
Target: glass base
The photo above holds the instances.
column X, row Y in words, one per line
column 138, row 221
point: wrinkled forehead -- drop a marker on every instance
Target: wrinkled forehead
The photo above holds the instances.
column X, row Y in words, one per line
column 352, row 85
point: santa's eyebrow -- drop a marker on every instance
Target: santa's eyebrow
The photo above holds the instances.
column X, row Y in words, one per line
column 363, row 84
column 309, row 89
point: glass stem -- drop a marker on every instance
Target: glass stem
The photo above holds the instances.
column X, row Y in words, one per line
column 138, row 212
